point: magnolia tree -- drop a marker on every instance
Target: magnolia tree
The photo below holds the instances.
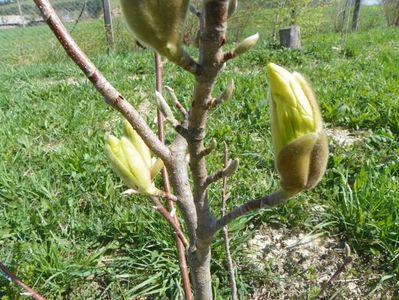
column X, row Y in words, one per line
column 299, row 142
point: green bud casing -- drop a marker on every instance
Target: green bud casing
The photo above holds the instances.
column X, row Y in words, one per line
column 246, row 44
column 158, row 24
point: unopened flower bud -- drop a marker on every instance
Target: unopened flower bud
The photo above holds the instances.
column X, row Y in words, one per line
column 299, row 142
column 131, row 160
column 158, row 24
column 137, row 142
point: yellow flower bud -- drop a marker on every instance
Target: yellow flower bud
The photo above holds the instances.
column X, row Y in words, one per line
column 137, row 142
column 119, row 163
column 131, row 160
column 139, row 171
column 158, row 24
column 299, row 142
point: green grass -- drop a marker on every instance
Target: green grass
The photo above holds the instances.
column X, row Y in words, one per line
column 65, row 229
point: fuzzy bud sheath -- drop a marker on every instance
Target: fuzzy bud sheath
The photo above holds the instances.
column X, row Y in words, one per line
column 158, row 24
column 299, row 141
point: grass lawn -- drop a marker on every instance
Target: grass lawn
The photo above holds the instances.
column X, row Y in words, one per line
column 67, row 231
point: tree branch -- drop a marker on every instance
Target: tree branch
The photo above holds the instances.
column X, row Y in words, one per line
column 171, row 220
column 110, row 94
column 228, row 170
column 33, row 294
column 264, row 202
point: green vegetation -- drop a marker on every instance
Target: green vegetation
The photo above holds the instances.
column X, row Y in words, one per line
column 67, row 231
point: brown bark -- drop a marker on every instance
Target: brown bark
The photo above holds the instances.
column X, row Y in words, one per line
column 212, row 37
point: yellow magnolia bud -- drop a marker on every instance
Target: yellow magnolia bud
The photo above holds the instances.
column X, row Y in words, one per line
column 119, row 163
column 139, row 171
column 127, row 161
column 137, row 142
column 158, row 24
column 299, row 141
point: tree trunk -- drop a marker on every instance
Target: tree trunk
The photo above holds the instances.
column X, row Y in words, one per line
column 200, row 266
column 356, row 13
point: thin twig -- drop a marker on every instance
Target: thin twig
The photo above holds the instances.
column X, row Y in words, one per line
column 176, row 101
column 171, row 220
column 228, row 170
column 209, row 149
column 167, row 195
column 32, row 293
column 230, row 265
column 110, row 94
column 347, row 261
column 264, row 202
column 166, row 185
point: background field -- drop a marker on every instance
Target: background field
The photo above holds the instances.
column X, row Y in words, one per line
column 65, row 229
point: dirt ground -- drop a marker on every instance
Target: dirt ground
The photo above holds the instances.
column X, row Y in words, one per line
column 312, row 266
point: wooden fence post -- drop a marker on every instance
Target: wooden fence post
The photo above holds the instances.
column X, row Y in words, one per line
column 108, row 24
column 20, row 13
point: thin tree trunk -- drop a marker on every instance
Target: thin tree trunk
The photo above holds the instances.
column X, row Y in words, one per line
column 356, row 14
column 200, row 263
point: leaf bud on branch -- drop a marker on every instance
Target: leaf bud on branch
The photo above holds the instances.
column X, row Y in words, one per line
column 242, row 47
column 228, row 91
column 232, row 166
column 232, row 8
column 210, row 148
column 164, row 107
